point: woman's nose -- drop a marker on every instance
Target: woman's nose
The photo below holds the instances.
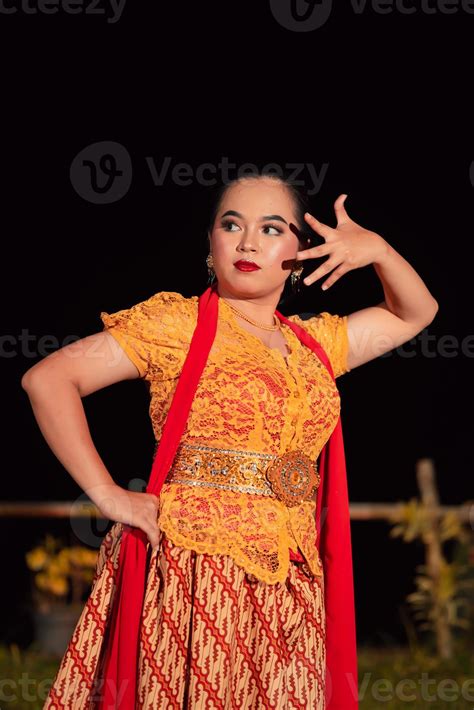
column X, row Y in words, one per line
column 249, row 240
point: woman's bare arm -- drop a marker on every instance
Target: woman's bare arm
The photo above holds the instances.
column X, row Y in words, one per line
column 408, row 308
column 55, row 387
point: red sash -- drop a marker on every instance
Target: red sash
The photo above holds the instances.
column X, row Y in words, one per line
column 119, row 678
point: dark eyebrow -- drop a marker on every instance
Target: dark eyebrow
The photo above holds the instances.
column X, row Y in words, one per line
column 262, row 219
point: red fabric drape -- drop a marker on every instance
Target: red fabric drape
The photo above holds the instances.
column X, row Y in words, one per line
column 118, row 689
column 335, row 549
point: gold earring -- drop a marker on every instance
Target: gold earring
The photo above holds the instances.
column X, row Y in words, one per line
column 296, row 279
column 296, row 275
column 210, row 269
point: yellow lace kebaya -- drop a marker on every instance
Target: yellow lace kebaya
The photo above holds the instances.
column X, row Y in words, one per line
column 250, row 398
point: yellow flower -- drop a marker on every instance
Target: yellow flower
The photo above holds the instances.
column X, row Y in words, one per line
column 37, row 558
column 62, row 561
column 58, row 568
column 58, row 585
column 82, row 557
column 75, row 556
column 90, row 558
column 42, row 581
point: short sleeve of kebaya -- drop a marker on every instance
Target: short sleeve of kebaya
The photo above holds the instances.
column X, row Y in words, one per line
column 331, row 332
column 154, row 333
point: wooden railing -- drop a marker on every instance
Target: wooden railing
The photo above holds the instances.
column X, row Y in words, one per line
column 71, row 509
column 428, row 507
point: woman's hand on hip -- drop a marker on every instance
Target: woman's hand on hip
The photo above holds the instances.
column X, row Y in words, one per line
column 129, row 507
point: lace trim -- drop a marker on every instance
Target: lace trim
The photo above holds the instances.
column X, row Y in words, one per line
column 256, row 533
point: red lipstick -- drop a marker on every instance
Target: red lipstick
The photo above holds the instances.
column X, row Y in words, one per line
column 243, row 265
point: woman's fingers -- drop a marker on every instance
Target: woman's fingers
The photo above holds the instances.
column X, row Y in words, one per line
column 321, row 271
column 314, row 252
column 340, row 210
column 148, row 522
column 336, row 274
column 151, row 516
column 152, row 503
column 153, row 534
column 323, row 229
column 139, row 510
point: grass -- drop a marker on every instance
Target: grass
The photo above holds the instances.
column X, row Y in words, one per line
column 396, row 678
column 25, row 678
column 391, row 678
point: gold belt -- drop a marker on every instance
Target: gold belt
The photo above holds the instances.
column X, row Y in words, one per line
column 292, row 477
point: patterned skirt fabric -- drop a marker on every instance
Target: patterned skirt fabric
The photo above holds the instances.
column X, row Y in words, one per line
column 213, row 636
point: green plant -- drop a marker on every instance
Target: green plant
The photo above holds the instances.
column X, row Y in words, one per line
column 443, row 598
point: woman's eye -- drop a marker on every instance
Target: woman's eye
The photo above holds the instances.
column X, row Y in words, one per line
column 226, row 224
column 270, row 226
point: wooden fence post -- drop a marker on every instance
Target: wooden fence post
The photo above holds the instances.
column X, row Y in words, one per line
column 425, row 474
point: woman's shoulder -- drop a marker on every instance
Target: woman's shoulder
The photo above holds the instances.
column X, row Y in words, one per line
column 323, row 320
column 330, row 330
column 153, row 330
column 175, row 311
column 170, row 300
column 160, row 306
column 173, row 302
column 173, row 298
column 165, row 315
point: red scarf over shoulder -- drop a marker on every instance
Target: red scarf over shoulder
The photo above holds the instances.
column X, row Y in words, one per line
column 119, row 677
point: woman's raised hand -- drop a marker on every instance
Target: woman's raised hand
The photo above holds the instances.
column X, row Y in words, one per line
column 348, row 246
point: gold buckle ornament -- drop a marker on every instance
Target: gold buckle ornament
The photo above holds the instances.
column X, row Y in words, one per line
column 294, row 477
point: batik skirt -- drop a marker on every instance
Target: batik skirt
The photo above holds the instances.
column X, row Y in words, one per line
column 212, row 637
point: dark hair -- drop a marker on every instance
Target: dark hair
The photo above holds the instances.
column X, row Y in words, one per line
column 298, row 195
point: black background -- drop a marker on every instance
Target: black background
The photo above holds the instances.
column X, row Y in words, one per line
column 382, row 99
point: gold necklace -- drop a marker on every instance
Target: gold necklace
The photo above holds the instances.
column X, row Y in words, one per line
column 250, row 320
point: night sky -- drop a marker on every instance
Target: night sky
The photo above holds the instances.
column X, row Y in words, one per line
column 375, row 102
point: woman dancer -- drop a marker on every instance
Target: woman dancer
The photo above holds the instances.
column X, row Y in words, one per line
column 232, row 610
